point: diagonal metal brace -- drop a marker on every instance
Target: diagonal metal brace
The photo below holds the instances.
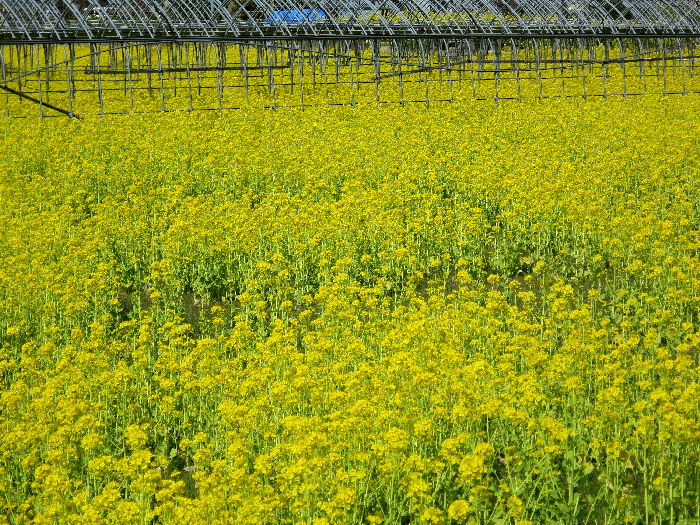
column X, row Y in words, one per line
column 50, row 106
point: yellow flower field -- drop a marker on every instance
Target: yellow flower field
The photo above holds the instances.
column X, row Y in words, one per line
column 475, row 313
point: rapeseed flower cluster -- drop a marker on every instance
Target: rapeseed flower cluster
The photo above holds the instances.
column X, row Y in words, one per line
column 479, row 313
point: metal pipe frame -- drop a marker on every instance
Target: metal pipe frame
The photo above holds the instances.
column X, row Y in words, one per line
column 90, row 21
column 190, row 55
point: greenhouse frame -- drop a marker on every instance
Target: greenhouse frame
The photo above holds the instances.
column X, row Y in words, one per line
column 69, row 57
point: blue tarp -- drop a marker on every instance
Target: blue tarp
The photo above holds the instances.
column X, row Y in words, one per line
column 294, row 17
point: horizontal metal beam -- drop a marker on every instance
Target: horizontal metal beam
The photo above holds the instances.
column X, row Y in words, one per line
column 177, row 70
column 378, row 36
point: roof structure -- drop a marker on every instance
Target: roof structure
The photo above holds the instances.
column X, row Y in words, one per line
column 36, row 21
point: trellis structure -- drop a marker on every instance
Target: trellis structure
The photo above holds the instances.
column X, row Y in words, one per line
column 72, row 57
